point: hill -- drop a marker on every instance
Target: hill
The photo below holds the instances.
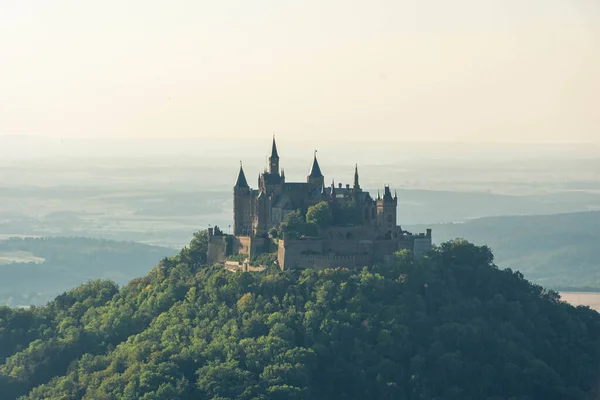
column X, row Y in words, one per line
column 35, row 270
column 559, row 251
column 450, row 326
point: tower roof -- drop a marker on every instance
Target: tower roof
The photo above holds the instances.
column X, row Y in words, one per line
column 387, row 194
column 356, row 185
column 241, row 179
column 315, row 171
column 274, row 149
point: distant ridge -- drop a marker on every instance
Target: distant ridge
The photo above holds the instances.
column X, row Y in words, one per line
column 558, row 250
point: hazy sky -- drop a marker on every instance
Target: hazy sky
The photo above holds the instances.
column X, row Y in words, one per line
column 418, row 70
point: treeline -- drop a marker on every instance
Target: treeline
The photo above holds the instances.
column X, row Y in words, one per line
column 449, row 326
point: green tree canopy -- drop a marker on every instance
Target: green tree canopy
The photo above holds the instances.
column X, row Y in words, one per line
column 320, row 215
column 447, row 326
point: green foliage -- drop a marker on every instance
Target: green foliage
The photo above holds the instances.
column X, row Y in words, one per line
column 449, row 326
column 295, row 225
column 237, row 257
column 320, row 215
column 346, row 214
column 264, row 259
column 197, row 250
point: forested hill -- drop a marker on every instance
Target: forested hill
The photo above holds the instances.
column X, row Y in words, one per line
column 451, row 326
column 559, row 251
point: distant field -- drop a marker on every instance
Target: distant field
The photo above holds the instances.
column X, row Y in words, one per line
column 582, row 299
column 169, row 217
column 17, row 256
column 35, row 270
column 164, row 200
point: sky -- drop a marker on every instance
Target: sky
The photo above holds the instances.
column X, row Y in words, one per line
column 340, row 70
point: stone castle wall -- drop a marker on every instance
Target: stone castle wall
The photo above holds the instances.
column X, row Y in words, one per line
column 324, row 253
column 241, row 245
column 322, row 261
column 290, row 251
column 222, row 246
column 217, row 249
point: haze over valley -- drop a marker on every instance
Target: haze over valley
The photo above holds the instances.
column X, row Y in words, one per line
column 161, row 199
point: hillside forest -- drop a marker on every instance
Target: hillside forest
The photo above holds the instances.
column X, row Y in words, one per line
column 450, row 326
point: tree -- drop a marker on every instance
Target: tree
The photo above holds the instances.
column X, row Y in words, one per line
column 294, row 224
column 320, row 214
column 197, row 249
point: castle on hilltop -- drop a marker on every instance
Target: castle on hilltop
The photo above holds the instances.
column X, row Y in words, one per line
column 363, row 229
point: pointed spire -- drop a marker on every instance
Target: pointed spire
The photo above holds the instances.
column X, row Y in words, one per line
column 333, row 188
column 273, row 161
column 395, row 194
column 274, row 149
column 241, row 179
column 323, row 190
column 315, row 171
column 378, row 195
column 356, row 185
column 282, row 174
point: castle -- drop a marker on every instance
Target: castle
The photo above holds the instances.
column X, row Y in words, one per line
column 364, row 229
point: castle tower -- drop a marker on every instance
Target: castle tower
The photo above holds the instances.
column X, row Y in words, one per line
column 274, row 160
column 315, row 176
column 241, row 205
column 387, row 213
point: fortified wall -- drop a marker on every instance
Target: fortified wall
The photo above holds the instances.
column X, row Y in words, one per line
column 221, row 245
column 347, row 251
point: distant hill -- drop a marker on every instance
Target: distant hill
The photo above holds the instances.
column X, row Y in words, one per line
column 35, row 270
column 451, row 326
column 561, row 251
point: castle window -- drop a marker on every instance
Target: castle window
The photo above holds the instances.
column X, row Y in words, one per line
column 390, row 218
column 349, row 236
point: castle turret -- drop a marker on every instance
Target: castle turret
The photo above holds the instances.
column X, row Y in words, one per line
column 387, row 213
column 333, row 194
column 274, row 160
column 241, row 205
column 315, row 176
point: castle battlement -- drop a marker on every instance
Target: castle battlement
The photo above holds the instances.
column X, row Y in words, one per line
column 364, row 228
